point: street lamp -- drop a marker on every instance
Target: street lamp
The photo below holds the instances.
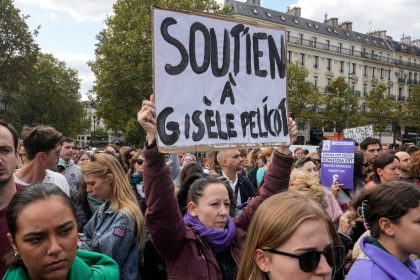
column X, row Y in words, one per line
column 95, row 122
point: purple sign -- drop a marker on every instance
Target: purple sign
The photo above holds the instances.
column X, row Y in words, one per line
column 337, row 163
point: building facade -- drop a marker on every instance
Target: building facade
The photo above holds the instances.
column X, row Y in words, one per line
column 331, row 48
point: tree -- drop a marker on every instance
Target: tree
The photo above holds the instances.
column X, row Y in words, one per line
column 303, row 98
column 123, row 64
column 133, row 134
column 49, row 96
column 18, row 51
column 411, row 112
column 341, row 106
column 100, row 134
column 380, row 110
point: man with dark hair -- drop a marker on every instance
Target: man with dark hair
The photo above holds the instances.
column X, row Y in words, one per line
column 371, row 148
column 8, row 162
column 42, row 147
column 72, row 173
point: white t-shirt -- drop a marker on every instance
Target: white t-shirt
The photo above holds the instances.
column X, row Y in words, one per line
column 50, row 177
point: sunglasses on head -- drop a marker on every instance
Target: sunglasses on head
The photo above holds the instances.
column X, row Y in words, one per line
column 309, row 261
column 140, row 161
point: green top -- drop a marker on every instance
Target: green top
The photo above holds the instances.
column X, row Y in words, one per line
column 379, row 245
column 86, row 266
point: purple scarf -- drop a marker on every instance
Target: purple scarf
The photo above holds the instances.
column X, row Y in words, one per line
column 219, row 240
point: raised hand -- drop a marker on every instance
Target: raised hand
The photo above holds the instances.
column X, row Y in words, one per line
column 146, row 117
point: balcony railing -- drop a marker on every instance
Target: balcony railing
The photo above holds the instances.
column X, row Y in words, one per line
column 359, row 54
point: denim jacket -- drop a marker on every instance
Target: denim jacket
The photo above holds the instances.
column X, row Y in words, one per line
column 113, row 233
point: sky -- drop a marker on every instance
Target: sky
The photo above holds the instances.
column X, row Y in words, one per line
column 69, row 28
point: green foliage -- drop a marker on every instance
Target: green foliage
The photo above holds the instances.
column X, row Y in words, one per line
column 100, row 135
column 133, row 134
column 18, row 50
column 123, row 64
column 340, row 104
column 411, row 112
column 49, row 96
column 303, row 99
column 380, row 110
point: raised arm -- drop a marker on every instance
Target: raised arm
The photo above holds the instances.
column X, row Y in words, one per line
column 276, row 179
column 163, row 217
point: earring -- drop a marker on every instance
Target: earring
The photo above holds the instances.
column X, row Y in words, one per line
column 17, row 254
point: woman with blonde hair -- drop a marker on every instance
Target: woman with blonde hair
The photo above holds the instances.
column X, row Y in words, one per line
column 301, row 180
column 116, row 229
column 290, row 237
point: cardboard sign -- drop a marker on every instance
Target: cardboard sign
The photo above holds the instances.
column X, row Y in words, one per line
column 337, row 163
column 218, row 82
column 359, row 133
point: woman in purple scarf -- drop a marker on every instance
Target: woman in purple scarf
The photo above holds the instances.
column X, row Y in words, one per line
column 207, row 242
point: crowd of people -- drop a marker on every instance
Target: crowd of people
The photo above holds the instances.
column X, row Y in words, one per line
column 125, row 213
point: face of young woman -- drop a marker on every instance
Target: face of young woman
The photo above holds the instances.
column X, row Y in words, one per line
column 390, row 172
column 83, row 159
column 99, row 187
column 311, row 235
column 139, row 164
column 407, row 232
column 312, row 169
column 213, row 207
column 46, row 238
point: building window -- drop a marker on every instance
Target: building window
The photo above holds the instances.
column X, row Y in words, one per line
column 364, row 53
column 365, row 71
column 373, row 54
column 365, row 90
column 353, row 87
column 328, row 45
column 328, row 63
column 301, row 39
column 340, row 47
column 316, row 81
column 289, row 56
column 302, row 59
column 353, row 71
column 341, row 66
column 373, row 72
column 313, row 42
column 352, row 50
column 316, row 59
column 288, row 35
column 328, row 81
column 399, row 93
column 389, row 91
column 382, row 73
column 389, row 75
column 388, row 58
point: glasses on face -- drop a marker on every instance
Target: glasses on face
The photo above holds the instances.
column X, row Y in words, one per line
column 309, row 261
column 140, row 161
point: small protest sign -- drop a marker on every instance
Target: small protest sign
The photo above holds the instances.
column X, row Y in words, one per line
column 359, row 133
column 218, row 82
column 337, row 163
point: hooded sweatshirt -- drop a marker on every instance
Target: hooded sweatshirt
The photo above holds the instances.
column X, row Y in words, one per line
column 379, row 264
column 86, row 266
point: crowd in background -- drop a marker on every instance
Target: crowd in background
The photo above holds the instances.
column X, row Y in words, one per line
column 261, row 213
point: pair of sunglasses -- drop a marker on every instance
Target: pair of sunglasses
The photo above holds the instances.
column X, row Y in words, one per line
column 309, row 261
column 140, row 161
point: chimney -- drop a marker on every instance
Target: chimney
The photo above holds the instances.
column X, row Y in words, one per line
column 254, row 2
column 378, row 34
column 406, row 40
column 295, row 11
column 346, row 25
column 332, row 22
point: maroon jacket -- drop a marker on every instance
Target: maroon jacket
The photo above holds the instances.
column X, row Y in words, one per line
column 187, row 256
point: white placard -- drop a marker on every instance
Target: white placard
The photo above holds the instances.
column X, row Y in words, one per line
column 359, row 133
column 218, row 82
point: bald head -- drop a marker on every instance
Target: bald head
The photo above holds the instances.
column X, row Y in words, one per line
column 230, row 160
column 405, row 160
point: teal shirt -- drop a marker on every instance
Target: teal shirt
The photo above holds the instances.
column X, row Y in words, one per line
column 86, row 266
